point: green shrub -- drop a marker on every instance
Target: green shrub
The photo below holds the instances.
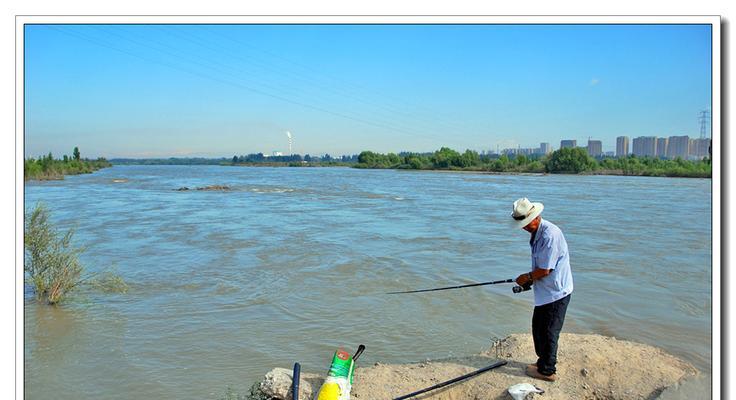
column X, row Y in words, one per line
column 50, row 262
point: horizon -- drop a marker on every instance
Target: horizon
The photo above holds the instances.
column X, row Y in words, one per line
column 162, row 91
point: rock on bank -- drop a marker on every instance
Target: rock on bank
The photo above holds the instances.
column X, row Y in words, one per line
column 589, row 367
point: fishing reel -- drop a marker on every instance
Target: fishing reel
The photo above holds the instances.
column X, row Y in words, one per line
column 519, row 289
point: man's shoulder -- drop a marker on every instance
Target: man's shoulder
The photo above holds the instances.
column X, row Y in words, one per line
column 551, row 230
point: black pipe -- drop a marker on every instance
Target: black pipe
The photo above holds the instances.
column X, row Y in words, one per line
column 295, row 382
column 451, row 381
column 455, row 287
column 359, row 352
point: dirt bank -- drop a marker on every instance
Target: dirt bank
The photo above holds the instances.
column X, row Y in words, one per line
column 589, row 367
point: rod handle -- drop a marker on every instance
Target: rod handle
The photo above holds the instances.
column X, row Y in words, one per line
column 519, row 289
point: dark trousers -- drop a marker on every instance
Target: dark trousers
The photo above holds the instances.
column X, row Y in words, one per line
column 546, row 326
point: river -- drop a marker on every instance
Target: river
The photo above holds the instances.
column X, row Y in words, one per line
column 292, row 263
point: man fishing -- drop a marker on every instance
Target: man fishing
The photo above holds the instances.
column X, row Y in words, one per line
column 551, row 278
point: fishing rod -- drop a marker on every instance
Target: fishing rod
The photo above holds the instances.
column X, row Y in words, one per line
column 451, row 381
column 516, row 289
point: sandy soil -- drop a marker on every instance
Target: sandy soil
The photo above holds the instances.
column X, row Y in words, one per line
column 589, row 367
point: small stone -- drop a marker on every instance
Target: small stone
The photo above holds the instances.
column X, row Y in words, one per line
column 277, row 384
column 584, row 372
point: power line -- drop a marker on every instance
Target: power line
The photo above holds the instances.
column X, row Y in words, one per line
column 432, row 114
column 238, row 85
column 386, row 119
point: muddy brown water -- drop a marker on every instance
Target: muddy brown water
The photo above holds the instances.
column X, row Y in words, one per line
column 291, row 263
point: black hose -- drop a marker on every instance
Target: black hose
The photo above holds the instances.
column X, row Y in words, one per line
column 295, row 382
column 451, row 381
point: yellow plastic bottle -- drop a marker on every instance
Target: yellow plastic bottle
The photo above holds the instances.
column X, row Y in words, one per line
column 340, row 378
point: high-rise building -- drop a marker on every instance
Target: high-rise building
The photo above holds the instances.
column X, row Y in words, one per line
column 622, row 146
column 570, row 143
column 662, row 147
column 699, row 148
column 678, row 146
column 545, row 148
column 595, row 148
column 645, row 146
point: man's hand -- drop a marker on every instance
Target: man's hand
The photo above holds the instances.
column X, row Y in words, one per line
column 524, row 279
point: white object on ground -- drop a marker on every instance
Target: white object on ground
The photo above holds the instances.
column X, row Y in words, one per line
column 521, row 390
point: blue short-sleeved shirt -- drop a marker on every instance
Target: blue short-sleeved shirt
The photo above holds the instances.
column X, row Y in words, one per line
column 549, row 251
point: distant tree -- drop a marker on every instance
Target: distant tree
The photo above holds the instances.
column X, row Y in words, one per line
column 393, row 159
column 367, row 157
column 76, row 154
column 521, row 159
column 307, row 158
column 414, row 161
column 66, row 158
column 570, row 160
column 446, row 157
column 235, row 159
column 469, row 159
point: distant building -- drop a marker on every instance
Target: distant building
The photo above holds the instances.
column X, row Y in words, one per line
column 622, row 146
column 678, row 146
column 571, row 144
column 645, row 146
column 595, row 148
column 277, row 154
column 699, row 148
column 662, row 147
column 545, row 148
column 526, row 151
column 609, row 154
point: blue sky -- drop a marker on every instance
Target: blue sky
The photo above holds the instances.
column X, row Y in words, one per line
column 221, row 90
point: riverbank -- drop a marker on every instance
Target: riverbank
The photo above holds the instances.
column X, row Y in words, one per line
column 703, row 175
column 589, row 367
column 46, row 168
column 563, row 161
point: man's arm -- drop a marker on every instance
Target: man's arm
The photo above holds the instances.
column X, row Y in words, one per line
column 529, row 277
column 547, row 256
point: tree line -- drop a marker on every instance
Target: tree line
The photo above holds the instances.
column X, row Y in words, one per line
column 566, row 160
column 292, row 160
column 249, row 159
column 47, row 167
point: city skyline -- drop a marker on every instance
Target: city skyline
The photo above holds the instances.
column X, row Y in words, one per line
column 204, row 90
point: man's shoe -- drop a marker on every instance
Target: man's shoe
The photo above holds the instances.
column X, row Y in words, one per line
column 532, row 371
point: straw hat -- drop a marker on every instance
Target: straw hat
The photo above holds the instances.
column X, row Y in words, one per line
column 525, row 211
